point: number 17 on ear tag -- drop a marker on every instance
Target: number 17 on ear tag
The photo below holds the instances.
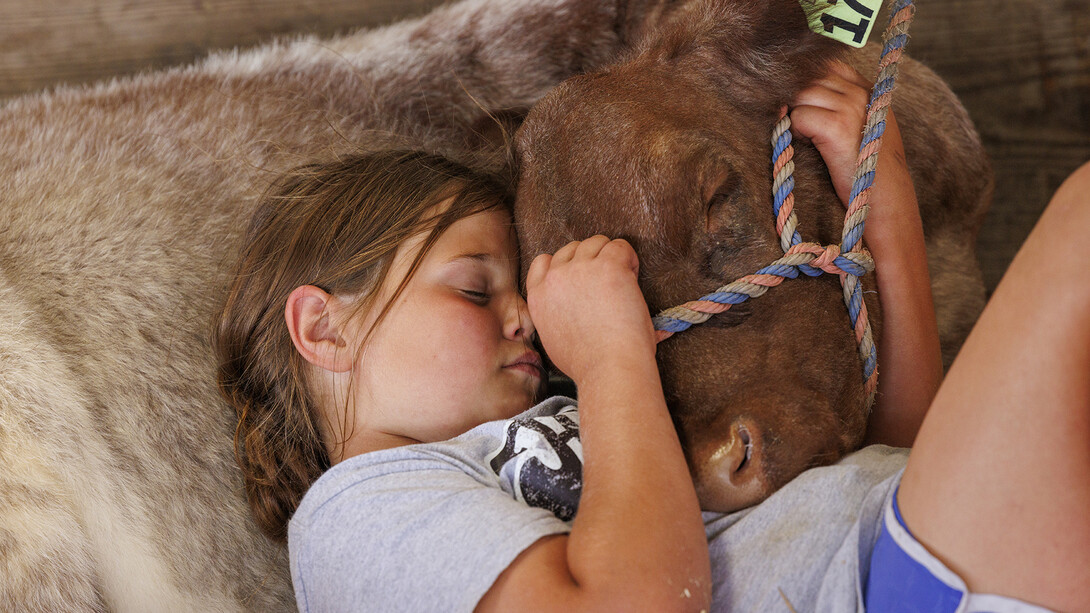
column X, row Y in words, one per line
column 848, row 21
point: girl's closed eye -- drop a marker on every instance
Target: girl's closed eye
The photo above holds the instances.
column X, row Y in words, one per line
column 481, row 297
column 473, row 276
column 473, row 285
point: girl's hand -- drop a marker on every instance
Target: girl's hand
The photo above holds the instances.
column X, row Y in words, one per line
column 587, row 306
column 831, row 112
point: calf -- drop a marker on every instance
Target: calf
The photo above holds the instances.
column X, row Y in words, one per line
column 670, row 150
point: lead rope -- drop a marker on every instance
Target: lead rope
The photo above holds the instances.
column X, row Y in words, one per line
column 850, row 260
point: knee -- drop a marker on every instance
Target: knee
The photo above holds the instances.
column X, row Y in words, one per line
column 1075, row 190
column 1068, row 212
column 1049, row 254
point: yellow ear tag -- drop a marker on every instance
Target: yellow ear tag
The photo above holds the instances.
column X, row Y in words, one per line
column 848, row 21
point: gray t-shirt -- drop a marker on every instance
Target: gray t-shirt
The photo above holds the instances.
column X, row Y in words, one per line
column 430, row 527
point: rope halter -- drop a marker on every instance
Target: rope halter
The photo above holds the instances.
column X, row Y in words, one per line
column 849, row 260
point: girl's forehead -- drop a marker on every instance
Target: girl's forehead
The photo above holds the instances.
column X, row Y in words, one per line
column 489, row 232
column 492, row 227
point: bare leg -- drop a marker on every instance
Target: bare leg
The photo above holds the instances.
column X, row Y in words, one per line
column 998, row 483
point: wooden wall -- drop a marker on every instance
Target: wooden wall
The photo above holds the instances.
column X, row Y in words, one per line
column 43, row 42
column 1022, row 68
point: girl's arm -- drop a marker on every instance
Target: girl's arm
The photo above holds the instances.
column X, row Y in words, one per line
column 637, row 541
column 831, row 112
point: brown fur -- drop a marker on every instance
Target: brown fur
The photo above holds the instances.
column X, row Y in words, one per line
column 120, row 215
column 669, row 149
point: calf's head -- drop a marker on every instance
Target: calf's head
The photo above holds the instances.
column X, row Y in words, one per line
column 670, row 150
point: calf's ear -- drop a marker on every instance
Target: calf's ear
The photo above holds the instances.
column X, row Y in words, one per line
column 762, row 49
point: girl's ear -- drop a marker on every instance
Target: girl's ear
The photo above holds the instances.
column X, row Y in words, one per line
column 309, row 315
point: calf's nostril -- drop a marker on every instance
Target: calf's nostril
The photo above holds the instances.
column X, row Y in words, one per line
column 728, row 472
column 747, row 442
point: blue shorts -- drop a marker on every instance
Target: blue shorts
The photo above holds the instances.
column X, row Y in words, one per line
column 905, row 578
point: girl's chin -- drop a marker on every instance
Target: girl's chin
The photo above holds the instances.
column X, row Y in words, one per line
column 528, row 388
column 519, row 403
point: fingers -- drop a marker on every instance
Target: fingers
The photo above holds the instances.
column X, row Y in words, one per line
column 841, row 88
column 584, row 249
column 833, row 94
column 620, row 249
column 538, row 269
column 832, row 108
column 831, row 112
column 807, row 120
column 541, row 265
column 593, row 247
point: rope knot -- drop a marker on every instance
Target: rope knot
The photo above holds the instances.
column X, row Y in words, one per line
column 824, row 257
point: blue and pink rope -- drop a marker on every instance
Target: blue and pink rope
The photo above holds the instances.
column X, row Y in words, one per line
column 849, row 260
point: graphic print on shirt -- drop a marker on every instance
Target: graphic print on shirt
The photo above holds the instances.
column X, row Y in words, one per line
column 541, row 462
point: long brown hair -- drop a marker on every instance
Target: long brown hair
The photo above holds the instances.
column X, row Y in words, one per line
column 337, row 226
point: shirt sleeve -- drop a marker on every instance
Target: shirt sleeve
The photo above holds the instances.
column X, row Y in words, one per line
column 412, row 534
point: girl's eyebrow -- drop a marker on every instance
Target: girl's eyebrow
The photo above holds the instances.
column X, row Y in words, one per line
column 488, row 260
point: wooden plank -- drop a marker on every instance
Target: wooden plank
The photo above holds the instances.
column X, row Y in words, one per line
column 78, row 41
column 1022, row 69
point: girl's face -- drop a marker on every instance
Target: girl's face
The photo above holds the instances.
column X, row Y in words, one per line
column 454, row 350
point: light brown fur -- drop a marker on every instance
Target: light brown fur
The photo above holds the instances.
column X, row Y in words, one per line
column 121, row 210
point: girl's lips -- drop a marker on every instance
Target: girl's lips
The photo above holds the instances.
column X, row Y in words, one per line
column 530, row 369
column 530, row 363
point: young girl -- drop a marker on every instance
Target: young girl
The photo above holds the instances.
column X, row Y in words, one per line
column 375, row 337
column 376, row 313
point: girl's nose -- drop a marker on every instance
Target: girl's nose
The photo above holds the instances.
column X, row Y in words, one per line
column 517, row 324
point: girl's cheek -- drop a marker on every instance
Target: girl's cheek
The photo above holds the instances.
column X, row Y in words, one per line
column 464, row 330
